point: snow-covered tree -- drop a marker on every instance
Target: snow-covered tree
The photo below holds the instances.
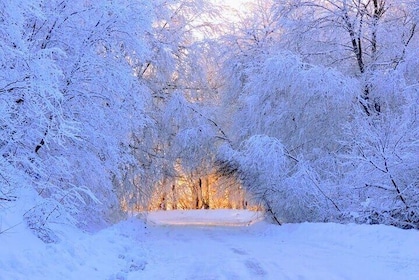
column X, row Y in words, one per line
column 110, row 104
column 301, row 107
column 72, row 102
column 184, row 90
column 314, row 110
column 357, row 37
column 381, row 156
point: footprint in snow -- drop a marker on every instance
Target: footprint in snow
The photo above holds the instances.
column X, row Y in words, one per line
column 254, row 267
column 238, row 251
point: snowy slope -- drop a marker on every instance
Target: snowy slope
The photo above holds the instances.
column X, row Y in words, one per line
column 135, row 250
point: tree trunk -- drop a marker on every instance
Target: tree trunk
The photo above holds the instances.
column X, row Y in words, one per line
column 174, row 199
column 199, row 194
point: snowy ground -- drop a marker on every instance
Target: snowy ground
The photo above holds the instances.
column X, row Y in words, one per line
column 135, row 250
column 221, row 217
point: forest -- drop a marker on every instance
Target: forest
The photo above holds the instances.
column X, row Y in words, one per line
column 307, row 110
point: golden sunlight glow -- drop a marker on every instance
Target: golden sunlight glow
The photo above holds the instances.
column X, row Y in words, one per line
column 193, row 190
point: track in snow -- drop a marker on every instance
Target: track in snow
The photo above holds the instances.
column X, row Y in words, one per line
column 133, row 249
column 291, row 251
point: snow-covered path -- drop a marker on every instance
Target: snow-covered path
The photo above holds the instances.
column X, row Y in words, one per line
column 300, row 251
column 134, row 250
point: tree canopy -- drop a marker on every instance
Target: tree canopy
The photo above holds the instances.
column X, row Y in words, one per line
column 307, row 109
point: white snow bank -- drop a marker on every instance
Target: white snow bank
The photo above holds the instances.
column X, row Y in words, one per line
column 220, row 217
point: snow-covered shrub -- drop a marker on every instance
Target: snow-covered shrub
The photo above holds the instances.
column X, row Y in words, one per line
column 38, row 217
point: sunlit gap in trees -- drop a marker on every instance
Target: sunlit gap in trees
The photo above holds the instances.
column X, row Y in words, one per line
column 198, row 189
